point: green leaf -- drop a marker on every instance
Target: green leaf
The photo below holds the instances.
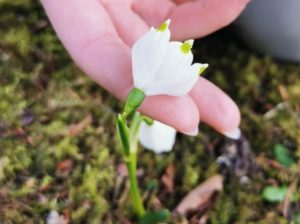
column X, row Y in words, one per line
column 297, row 218
column 156, row 217
column 274, row 194
column 283, row 156
column 152, row 185
column 123, row 134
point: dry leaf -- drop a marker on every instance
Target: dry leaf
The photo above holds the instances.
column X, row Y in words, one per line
column 123, row 172
column 65, row 165
column 283, row 92
column 67, row 215
column 168, row 178
column 200, row 195
column 286, row 206
column 199, row 220
column 203, row 219
column 263, row 161
column 76, row 129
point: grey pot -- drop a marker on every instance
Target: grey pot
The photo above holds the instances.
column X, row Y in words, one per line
column 272, row 27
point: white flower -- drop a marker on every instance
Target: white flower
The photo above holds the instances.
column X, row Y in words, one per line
column 161, row 66
column 157, row 137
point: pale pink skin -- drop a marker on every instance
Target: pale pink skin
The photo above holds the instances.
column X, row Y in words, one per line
column 99, row 34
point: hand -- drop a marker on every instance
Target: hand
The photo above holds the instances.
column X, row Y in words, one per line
column 99, row 34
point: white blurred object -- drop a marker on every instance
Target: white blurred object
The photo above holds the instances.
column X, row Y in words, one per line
column 54, row 218
column 272, row 27
column 157, row 137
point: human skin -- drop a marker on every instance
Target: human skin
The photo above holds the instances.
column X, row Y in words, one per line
column 99, row 35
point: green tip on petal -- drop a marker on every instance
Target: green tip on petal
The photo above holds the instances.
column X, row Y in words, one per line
column 187, row 46
column 149, row 121
column 202, row 68
column 163, row 27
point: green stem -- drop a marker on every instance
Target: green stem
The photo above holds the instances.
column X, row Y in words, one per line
column 129, row 139
column 134, row 189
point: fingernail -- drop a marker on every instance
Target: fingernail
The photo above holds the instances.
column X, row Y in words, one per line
column 234, row 134
column 192, row 133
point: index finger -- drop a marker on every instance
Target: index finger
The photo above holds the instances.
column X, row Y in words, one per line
column 199, row 18
column 192, row 19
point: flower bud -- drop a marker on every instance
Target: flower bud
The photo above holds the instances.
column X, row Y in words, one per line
column 134, row 100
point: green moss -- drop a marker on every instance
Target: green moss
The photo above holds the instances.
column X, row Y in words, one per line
column 43, row 95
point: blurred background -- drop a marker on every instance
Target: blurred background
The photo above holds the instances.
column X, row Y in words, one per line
column 59, row 155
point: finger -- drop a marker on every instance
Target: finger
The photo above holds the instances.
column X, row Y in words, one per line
column 199, row 18
column 128, row 24
column 73, row 23
column 154, row 12
column 87, row 32
column 182, row 1
column 193, row 19
column 179, row 112
column 216, row 108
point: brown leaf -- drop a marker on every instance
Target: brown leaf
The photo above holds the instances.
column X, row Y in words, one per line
column 168, row 178
column 203, row 219
column 286, row 206
column 199, row 220
column 63, row 194
column 65, row 165
column 67, row 215
column 283, row 92
column 263, row 161
column 123, row 172
column 76, row 129
column 200, row 195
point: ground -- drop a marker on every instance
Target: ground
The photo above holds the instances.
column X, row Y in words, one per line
column 59, row 150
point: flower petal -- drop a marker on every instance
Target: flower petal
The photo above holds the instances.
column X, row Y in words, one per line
column 157, row 137
column 173, row 70
column 183, row 81
column 147, row 53
column 163, row 67
column 175, row 57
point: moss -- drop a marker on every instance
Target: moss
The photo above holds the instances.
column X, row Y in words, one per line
column 43, row 95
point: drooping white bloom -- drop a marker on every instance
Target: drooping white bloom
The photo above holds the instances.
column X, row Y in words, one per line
column 161, row 66
column 157, row 136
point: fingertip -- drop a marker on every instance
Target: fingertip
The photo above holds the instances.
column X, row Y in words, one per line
column 154, row 12
column 179, row 112
column 217, row 109
column 231, row 117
